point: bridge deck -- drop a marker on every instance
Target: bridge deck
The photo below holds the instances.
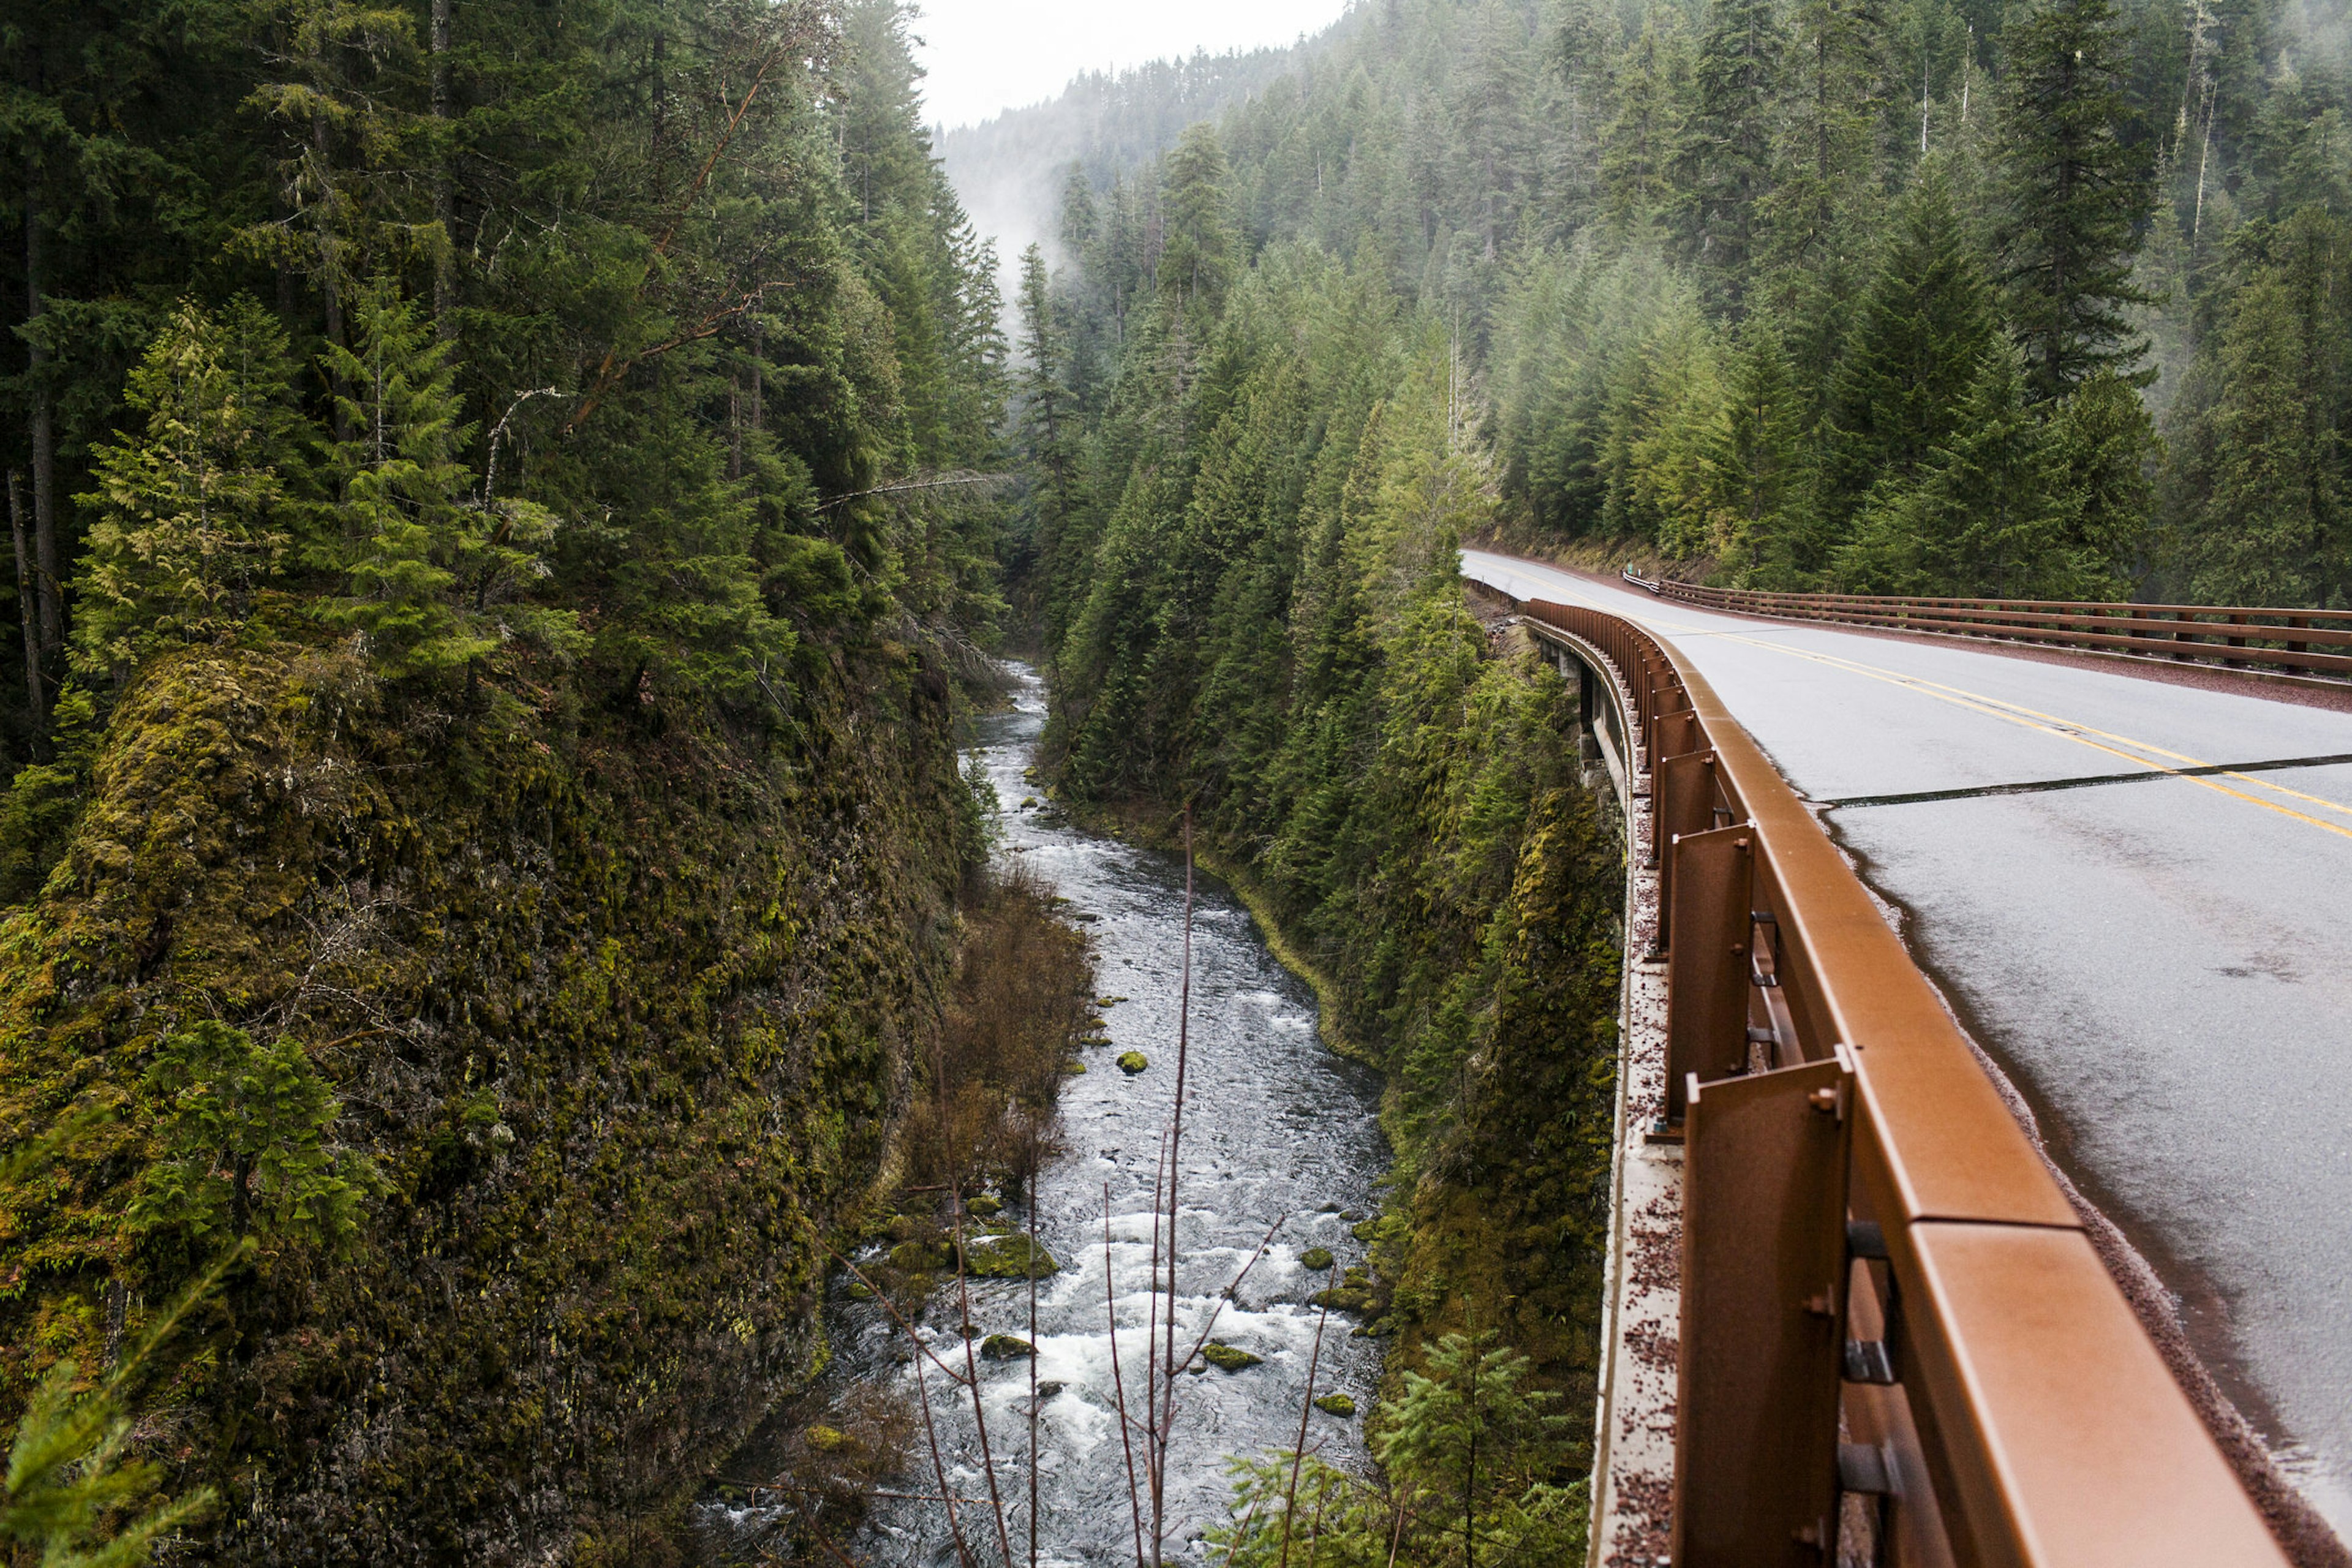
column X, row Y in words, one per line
column 2161, row 965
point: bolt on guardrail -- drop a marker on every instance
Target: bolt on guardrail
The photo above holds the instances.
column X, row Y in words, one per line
column 1897, row 1343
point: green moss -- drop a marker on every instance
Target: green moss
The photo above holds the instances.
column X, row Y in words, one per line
column 1133, row 1062
column 1228, row 1358
column 986, row 1205
column 684, row 968
column 1006, row 1347
column 1015, row 1257
column 1315, row 1258
column 1335, row 1405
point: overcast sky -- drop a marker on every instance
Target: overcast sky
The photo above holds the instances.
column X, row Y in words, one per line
column 988, row 55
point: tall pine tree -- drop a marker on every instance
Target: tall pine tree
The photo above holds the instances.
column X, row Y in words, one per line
column 2075, row 193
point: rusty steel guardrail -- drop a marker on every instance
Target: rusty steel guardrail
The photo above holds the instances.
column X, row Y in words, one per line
column 2295, row 643
column 1888, row 1306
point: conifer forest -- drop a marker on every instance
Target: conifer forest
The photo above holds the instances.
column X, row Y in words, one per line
column 516, row 505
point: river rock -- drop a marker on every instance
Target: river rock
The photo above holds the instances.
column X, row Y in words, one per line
column 1006, row 1347
column 1133, row 1062
column 1228, row 1358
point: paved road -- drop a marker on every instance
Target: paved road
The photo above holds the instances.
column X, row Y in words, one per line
column 2164, row 967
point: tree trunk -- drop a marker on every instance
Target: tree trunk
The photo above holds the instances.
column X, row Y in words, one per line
column 28, row 611
column 445, row 280
column 43, row 432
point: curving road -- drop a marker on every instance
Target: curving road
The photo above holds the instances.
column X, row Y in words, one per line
column 2164, row 967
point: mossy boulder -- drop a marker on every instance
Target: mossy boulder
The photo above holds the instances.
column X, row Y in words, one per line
column 983, row 1206
column 1132, row 1062
column 1013, row 1257
column 1228, row 1358
column 825, row 1440
column 1344, row 1298
column 1336, row 1404
column 1315, row 1258
column 1006, row 1347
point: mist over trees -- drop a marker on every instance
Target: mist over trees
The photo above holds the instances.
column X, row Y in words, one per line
column 1900, row 296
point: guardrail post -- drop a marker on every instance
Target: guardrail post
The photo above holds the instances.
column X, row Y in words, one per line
column 1682, row 802
column 1707, row 967
column 1764, row 1265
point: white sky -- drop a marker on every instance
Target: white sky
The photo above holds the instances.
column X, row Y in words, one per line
column 988, row 55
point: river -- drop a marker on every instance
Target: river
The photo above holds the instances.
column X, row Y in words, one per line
column 1277, row 1128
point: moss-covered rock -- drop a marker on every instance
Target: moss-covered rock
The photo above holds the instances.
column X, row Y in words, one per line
column 1013, row 1257
column 1335, row 1405
column 986, row 1205
column 1133, row 1062
column 1006, row 1347
column 1316, row 1259
column 1228, row 1358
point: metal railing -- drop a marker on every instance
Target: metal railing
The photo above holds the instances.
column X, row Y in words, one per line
column 1885, row 1297
column 2284, row 642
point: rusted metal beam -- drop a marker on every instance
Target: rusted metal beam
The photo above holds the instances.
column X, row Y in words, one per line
column 1756, row 1435
column 2003, row 1405
column 1707, row 967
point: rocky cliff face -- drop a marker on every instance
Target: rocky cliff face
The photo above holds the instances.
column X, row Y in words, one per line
column 618, row 1003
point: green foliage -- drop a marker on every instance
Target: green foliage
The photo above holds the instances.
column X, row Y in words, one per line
column 1463, row 1452
column 432, row 570
column 2075, row 192
column 242, row 1144
column 188, row 516
column 2260, row 498
column 73, row 1493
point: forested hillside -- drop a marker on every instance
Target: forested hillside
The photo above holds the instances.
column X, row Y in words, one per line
column 1888, row 295
column 1902, row 295
column 499, row 497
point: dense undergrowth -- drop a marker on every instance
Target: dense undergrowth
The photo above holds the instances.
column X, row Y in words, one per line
column 617, row 1007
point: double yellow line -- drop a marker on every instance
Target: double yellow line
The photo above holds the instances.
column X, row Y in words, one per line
column 2046, row 723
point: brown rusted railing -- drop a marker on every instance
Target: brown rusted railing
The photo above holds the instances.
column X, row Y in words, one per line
column 2286, row 642
column 1885, row 1297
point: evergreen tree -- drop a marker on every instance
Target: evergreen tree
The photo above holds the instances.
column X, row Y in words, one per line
column 2264, row 494
column 2106, row 445
column 1759, row 464
column 1729, row 160
column 1923, row 327
column 1990, row 513
column 1645, row 142
column 190, row 513
column 243, row 1144
column 2075, row 192
column 438, row 577
column 1199, row 250
column 1462, row 1431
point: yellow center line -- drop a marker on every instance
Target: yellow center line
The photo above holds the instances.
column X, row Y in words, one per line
column 2069, row 729
column 2026, row 718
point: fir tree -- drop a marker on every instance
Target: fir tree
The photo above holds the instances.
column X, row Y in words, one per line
column 2266, row 498
column 243, row 1137
column 1990, row 512
column 1759, row 463
column 1645, row 142
column 1198, row 257
column 2105, row 445
column 190, row 512
column 1728, row 162
column 435, row 577
column 2075, row 192
column 1922, row 328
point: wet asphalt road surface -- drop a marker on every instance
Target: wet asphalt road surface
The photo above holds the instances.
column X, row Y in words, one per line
column 2165, row 967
